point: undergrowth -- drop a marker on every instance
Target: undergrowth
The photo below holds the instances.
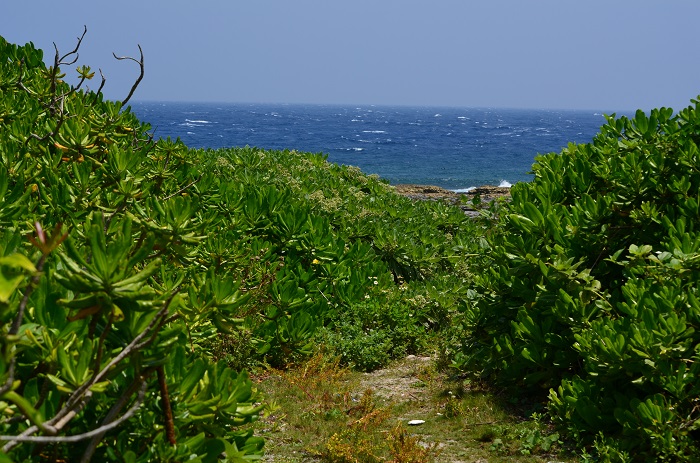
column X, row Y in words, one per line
column 325, row 412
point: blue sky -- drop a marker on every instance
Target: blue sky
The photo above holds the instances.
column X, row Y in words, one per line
column 595, row 54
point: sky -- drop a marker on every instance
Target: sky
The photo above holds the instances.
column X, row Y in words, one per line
column 540, row 54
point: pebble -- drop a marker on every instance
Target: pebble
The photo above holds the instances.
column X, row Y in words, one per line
column 415, row 422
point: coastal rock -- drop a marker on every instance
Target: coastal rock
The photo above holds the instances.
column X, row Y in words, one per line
column 426, row 192
column 463, row 200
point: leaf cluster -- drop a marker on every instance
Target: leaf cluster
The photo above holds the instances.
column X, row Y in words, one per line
column 590, row 288
column 96, row 312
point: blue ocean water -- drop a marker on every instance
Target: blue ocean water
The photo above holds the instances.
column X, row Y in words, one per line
column 454, row 148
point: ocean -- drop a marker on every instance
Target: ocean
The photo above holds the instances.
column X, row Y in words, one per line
column 454, row 148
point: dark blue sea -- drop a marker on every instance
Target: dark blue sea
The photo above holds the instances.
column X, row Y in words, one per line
column 455, row 148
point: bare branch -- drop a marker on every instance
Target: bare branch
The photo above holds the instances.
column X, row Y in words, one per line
column 102, row 84
column 111, row 415
column 47, row 428
column 134, row 345
column 53, row 430
column 59, row 60
column 138, row 81
column 78, row 397
column 181, row 190
column 88, row 435
column 74, row 52
column 20, row 84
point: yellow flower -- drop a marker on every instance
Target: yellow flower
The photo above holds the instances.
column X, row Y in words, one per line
column 315, row 262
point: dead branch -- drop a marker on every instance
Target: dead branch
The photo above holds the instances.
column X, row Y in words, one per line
column 102, row 84
column 88, row 435
column 111, row 416
column 138, row 81
column 60, row 60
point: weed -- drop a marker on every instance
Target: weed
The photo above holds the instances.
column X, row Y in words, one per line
column 328, row 413
column 236, row 349
column 346, row 447
column 453, row 408
column 487, row 434
column 405, row 448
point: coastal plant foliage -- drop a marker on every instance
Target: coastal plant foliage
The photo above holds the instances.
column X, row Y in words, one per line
column 589, row 289
column 138, row 277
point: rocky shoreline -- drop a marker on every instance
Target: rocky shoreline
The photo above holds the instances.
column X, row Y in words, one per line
column 462, row 200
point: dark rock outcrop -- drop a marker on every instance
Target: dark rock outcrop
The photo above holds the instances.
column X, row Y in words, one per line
column 462, row 200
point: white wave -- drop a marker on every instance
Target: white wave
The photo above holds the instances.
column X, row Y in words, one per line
column 356, row 149
column 438, row 115
column 374, row 131
column 464, row 190
column 197, row 122
column 505, row 184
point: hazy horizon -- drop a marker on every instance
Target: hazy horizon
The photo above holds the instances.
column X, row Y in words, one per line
column 382, row 105
column 597, row 55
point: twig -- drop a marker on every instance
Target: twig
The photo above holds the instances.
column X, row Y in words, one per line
column 104, row 79
column 183, row 188
column 77, row 396
column 138, row 81
column 135, row 344
column 111, row 415
column 74, row 52
column 25, row 299
column 46, row 428
column 77, row 438
column 58, row 61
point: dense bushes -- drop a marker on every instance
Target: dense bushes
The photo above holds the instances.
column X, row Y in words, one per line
column 589, row 289
column 127, row 265
column 138, row 276
column 100, row 236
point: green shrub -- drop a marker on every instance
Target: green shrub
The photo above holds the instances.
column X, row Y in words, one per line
column 137, row 275
column 372, row 333
column 99, row 238
column 589, row 289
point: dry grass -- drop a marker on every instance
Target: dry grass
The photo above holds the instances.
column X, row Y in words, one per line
column 324, row 413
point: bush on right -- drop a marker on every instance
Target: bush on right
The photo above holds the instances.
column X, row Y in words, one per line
column 587, row 295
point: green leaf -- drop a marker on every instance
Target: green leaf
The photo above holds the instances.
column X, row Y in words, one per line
column 18, row 261
column 12, row 272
